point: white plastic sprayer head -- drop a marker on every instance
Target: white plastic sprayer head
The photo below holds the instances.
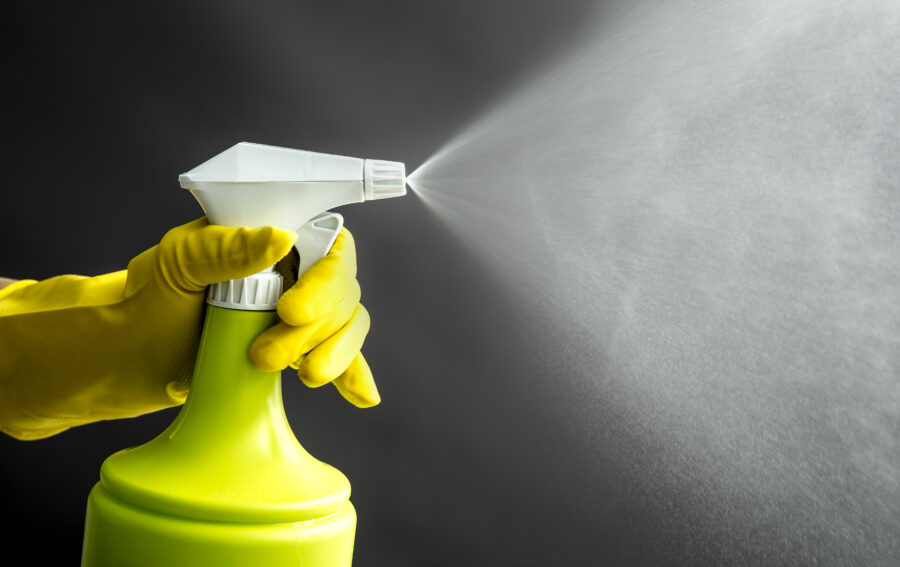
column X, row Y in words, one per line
column 254, row 185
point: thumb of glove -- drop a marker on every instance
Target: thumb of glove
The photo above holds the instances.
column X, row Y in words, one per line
column 197, row 254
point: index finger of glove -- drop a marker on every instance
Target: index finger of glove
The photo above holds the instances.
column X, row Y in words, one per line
column 198, row 254
column 323, row 286
column 279, row 346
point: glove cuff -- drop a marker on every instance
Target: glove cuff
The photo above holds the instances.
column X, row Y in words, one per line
column 9, row 290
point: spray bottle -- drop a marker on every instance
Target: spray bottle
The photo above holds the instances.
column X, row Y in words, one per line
column 227, row 483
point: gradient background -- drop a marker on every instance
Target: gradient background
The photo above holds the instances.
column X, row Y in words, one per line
column 476, row 455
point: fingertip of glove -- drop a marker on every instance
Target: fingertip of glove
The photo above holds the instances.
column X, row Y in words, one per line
column 177, row 391
column 369, row 402
column 274, row 242
column 311, row 379
column 267, row 356
column 357, row 385
column 289, row 234
column 312, row 298
column 361, row 399
column 295, row 313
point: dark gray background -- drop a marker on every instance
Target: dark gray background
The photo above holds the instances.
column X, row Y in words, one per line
column 105, row 104
column 476, row 455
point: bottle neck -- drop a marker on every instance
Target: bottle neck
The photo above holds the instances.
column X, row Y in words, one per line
column 228, row 394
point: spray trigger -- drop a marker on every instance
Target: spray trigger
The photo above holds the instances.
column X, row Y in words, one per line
column 316, row 237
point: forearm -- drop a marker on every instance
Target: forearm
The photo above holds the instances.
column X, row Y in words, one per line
column 50, row 382
column 37, row 396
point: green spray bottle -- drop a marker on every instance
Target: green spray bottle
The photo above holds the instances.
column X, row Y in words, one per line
column 228, row 484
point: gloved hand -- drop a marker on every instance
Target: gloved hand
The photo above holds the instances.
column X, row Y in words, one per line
column 75, row 349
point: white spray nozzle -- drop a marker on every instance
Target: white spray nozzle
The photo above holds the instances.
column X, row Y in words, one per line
column 255, row 185
column 384, row 179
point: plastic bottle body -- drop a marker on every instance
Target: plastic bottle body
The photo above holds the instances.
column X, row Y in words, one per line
column 119, row 534
column 227, row 483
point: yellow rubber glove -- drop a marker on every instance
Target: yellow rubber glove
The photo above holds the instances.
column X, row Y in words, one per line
column 322, row 328
column 75, row 349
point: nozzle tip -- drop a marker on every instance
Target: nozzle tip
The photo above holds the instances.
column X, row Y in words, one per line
column 384, row 179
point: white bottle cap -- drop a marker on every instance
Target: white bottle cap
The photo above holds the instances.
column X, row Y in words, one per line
column 259, row 292
column 384, row 179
